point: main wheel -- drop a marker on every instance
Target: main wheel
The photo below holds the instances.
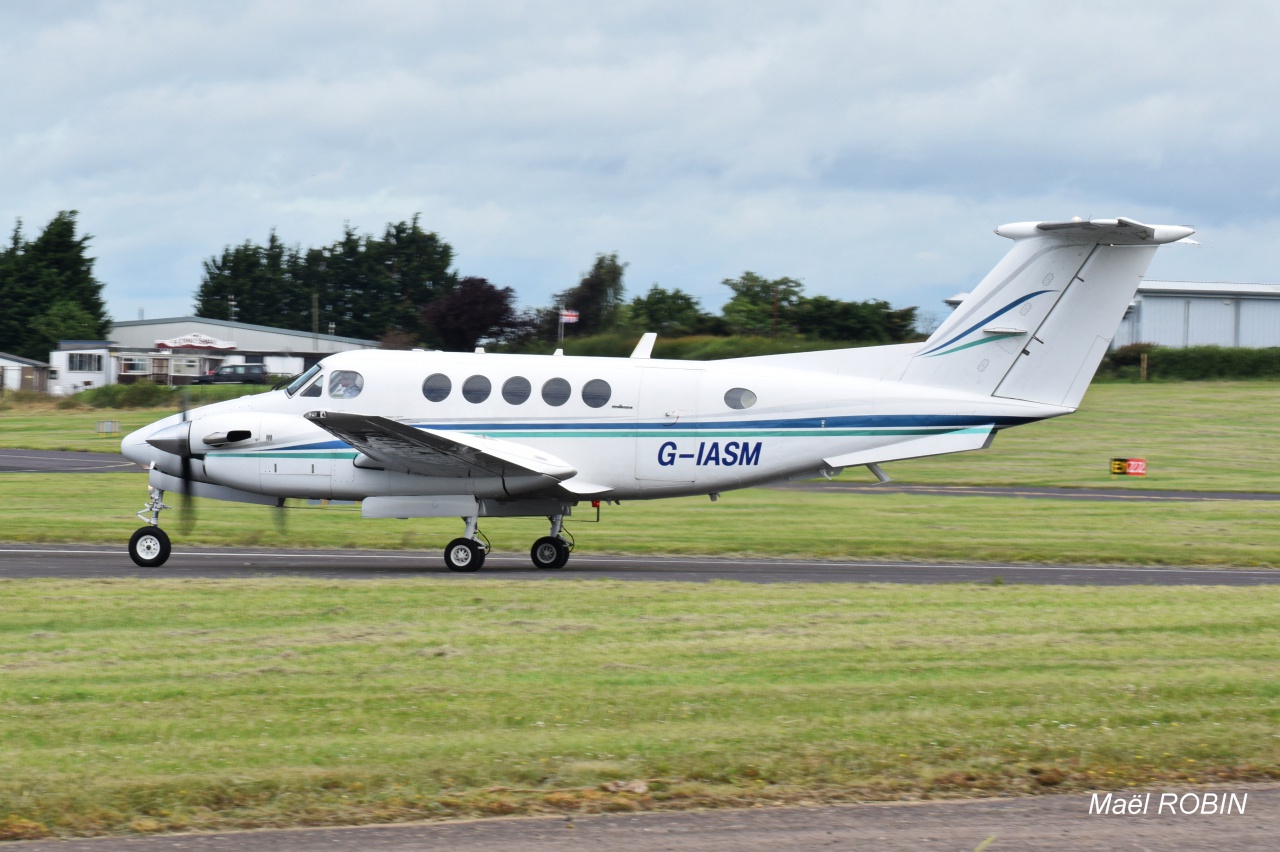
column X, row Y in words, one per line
column 149, row 547
column 463, row 554
column 549, row 553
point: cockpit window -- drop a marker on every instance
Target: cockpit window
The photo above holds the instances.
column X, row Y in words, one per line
column 314, row 389
column 296, row 384
column 345, row 384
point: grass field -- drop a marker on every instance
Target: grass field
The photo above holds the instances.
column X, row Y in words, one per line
column 167, row 705
column 758, row 521
column 1195, row 435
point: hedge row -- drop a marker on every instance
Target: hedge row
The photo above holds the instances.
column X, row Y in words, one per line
column 1195, row 363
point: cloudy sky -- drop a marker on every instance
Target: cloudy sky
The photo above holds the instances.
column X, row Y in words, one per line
column 865, row 148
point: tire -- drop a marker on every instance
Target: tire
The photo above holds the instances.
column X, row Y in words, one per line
column 549, row 553
column 463, row 554
column 149, row 547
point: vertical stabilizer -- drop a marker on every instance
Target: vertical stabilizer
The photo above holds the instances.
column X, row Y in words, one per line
column 1037, row 326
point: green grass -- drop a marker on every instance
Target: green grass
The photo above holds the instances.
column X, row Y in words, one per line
column 1200, row 436
column 1207, row 436
column 100, row 507
column 200, row 704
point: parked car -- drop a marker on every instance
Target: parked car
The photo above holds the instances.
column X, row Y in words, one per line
column 235, row 374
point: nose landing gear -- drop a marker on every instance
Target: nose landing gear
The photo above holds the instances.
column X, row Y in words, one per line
column 149, row 546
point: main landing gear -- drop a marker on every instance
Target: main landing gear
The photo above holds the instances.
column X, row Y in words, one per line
column 551, row 552
column 467, row 553
column 548, row 553
column 149, row 546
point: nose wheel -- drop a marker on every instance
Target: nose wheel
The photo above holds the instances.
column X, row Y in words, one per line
column 149, row 547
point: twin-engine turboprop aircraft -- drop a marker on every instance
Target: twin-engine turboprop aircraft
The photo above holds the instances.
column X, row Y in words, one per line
column 436, row 434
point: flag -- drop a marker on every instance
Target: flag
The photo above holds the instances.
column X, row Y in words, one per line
column 568, row 316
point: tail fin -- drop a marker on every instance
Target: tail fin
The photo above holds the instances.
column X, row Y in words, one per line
column 1038, row 325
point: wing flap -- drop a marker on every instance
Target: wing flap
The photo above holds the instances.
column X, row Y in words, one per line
column 434, row 452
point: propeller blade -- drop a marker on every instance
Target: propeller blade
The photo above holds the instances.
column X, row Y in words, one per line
column 278, row 516
column 187, row 514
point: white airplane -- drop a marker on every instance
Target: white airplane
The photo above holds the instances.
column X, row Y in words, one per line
column 427, row 434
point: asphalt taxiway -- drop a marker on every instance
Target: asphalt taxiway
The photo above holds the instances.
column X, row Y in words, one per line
column 99, row 561
column 1032, row 824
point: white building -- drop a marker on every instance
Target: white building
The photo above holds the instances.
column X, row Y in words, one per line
column 18, row 373
column 1178, row 314
column 173, row 351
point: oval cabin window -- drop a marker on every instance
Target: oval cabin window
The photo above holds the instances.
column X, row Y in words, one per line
column 556, row 392
column 345, row 384
column 739, row 398
column 436, row 388
column 516, row 390
column 596, row 393
column 476, row 389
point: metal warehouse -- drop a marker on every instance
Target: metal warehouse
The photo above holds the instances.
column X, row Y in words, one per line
column 1197, row 313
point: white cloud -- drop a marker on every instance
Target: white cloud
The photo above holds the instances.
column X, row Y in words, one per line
column 866, row 148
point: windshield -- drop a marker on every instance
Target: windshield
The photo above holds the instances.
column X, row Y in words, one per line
column 301, row 380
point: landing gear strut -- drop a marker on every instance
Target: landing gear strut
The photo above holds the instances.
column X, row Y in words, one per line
column 551, row 552
column 467, row 553
column 149, row 546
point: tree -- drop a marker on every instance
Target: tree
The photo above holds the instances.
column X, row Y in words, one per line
column 760, row 306
column 864, row 322
column 48, row 290
column 671, row 311
column 474, row 311
column 598, row 295
column 363, row 286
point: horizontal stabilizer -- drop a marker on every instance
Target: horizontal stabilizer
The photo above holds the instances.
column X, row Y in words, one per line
column 972, row 438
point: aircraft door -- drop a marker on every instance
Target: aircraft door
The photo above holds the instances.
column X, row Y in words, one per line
column 666, row 415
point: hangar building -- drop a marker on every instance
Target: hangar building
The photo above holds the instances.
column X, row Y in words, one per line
column 1178, row 314
column 173, row 351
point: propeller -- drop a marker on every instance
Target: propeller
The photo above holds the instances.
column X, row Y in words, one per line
column 187, row 515
column 278, row 515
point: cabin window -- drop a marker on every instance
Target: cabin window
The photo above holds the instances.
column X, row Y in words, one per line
column 556, row 392
column 596, row 393
column 476, row 389
column 436, row 388
column 345, row 384
column 516, row 390
column 739, row 398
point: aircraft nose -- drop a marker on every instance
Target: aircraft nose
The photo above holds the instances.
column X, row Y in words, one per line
column 135, row 445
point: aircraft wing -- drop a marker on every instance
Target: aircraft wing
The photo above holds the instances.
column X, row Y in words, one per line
column 432, row 452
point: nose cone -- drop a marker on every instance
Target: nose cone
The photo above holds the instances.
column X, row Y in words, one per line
column 136, row 446
column 175, row 439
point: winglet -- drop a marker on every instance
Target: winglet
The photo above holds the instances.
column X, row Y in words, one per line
column 644, row 348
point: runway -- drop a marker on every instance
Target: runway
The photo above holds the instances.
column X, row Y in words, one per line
column 100, row 561
column 59, row 461
column 1032, row 824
